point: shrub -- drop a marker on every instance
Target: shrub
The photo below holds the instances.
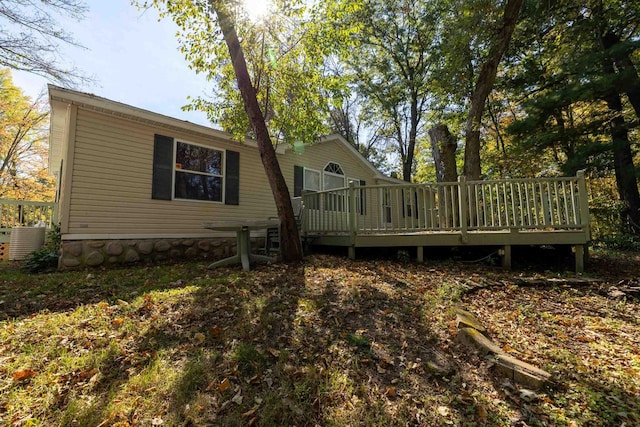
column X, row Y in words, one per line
column 621, row 241
column 45, row 258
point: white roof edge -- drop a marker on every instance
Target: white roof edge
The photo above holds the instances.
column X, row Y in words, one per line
column 338, row 137
column 71, row 96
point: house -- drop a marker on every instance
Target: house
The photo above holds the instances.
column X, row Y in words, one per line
column 134, row 185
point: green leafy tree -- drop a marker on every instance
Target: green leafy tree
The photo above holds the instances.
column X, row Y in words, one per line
column 386, row 48
column 286, row 72
column 204, row 26
column 470, row 41
column 350, row 119
column 486, row 77
column 577, row 73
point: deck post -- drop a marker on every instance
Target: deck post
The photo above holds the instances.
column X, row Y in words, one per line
column 353, row 212
column 420, row 255
column 462, row 206
column 584, row 203
column 505, row 252
column 580, row 254
column 353, row 217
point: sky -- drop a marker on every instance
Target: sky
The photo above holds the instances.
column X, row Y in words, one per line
column 133, row 59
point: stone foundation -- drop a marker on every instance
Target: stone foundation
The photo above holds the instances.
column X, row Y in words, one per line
column 95, row 253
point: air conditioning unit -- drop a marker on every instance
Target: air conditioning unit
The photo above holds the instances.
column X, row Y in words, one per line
column 25, row 240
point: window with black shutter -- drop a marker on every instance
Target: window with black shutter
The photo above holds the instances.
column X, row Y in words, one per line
column 162, row 167
column 194, row 172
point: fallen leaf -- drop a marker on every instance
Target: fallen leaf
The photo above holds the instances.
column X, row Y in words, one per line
column 237, row 399
column 24, row 374
column 117, row 322
column 224, row 385
column 391, row 392
column 508, row 349
column 198, row 338
column 215, row 331
column 274, row 352
column 87, row 373
column 481, row 411
column 444, row 411
column 250, row 412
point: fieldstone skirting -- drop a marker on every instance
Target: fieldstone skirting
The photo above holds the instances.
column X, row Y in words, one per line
column 94, row 253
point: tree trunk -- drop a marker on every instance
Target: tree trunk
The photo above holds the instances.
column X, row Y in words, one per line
column 630, row 81
column 290, row 246
column 407, row 164
column 626, row 179
column 444, row 146
column 484, row 86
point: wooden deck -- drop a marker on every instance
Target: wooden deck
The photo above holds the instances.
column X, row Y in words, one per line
column 505, row 213
column 19, row 213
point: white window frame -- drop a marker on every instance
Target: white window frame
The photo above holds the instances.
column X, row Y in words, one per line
column 334, row 202
column 304, row 180
column 337, row 175
column 221, row 176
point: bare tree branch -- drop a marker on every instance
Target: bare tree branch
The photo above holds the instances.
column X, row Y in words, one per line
column 30, row 38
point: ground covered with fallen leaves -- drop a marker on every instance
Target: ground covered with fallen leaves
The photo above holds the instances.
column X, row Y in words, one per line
column 330, row 342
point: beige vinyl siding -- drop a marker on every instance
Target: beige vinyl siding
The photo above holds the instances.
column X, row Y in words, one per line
column 353, row 165
column 316, row 156
column 112, row 175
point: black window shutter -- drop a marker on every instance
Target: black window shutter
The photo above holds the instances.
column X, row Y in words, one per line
column 232, row 178
column 298, row 180
column 162, row 167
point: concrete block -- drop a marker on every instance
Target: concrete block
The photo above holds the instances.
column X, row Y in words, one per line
column 467, row 319
column 520, row 372
column 474, row 339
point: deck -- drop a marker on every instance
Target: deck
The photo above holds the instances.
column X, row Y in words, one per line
column 20, row 213
column 505, row 213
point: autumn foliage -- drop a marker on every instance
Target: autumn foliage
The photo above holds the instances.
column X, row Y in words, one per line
column 24, row 137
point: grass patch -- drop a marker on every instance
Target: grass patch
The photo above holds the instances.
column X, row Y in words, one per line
column 249, row 360
column 330, row 342
column 359, row 341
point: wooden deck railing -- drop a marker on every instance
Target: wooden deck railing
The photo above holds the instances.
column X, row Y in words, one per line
column 15, row 213
column 542, row 204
